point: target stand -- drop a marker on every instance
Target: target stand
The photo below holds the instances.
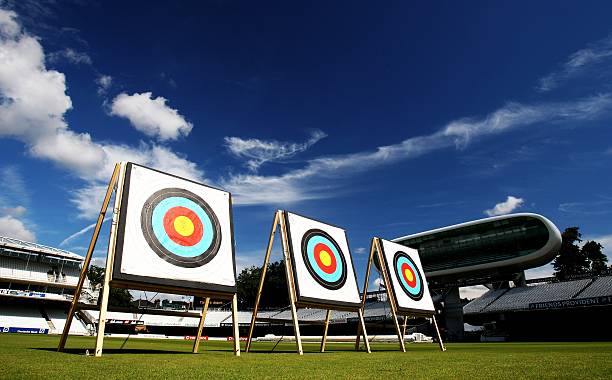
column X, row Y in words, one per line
column 405, row 286
column 296, row 277
column 173, row 234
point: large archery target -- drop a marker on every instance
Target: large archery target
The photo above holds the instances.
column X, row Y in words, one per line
column 408, row 281
column 174, row 232
column 322, row 263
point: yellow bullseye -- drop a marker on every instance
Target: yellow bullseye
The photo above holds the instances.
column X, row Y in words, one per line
column 325, row 258
column 183, row 225
column 409, row 275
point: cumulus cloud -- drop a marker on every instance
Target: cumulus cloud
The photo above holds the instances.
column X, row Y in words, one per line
column 70, row 55
column 33, row 104
column 151, row 116
column 16, row 211
column 510, row 204
column 12, row 227
column 257, row 151
column 307, row 182
column 578, row 63
column 379, row 282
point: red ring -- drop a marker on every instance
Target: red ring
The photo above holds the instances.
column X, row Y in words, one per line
column 317, row 254
column 185, row 241
column 412, row 283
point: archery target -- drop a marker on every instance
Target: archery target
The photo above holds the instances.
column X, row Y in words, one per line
column 408, row 281
column 322, row 263
column 180, row 227
column 173, row 231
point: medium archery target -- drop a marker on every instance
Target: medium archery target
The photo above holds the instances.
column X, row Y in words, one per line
column 180, row 227
column 409, row 276
column 324, row 259
column 321, row 263
column 174, row 233
column 408, row 282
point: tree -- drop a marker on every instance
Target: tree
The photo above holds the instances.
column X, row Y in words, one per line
column 573, row 260
column 274, row 294
column 570, row 260
column 117, row 296
column 597, row 260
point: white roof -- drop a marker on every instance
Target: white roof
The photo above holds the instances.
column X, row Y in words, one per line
column 29, row 247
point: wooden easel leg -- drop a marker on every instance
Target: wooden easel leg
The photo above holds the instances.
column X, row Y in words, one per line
column 235, row 325
column 390, row 297
column 290, row 284
column 264, row 270
column 361, row 326
column 103, row 306
column 404, row 327
column 365, row 334
column 92, row 246
column 196, row 344
column 110, row 259
column 324, row 339
column 433, row 319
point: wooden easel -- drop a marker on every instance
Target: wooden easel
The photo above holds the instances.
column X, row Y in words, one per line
column 280, row 219
column 116, row 185
column 375, row 248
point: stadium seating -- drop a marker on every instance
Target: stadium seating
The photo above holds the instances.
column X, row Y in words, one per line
column 520, row 298
column 602, row 286
column 58, row 319
column 479, row 304
column 13, row 267
column 24, row 317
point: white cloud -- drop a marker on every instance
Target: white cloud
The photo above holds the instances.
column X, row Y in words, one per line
column 151, row 116
column 33, row 104
column 104, row 83
column 510, row 204
column 71, row 55
column 599, row 207
column 310, row 182
column 379, row 282
column 360, row 250
column 16, row 211
column 471, row 292
column 578, row 63
column 258, row 151
column 12, row 227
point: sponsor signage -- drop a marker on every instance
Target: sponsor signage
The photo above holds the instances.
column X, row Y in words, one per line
column 578, row 302
column 24, row 330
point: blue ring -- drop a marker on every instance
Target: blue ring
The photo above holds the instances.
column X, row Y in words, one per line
column 329, row 277
column 160, row 232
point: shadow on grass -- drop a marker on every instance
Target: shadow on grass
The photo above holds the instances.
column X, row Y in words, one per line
column 112, row 351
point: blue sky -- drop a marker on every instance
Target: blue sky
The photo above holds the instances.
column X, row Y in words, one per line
column 386, row 120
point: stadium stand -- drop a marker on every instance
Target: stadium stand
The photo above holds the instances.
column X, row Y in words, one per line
column 602, row 286
column 521, row 297
column 22, row 317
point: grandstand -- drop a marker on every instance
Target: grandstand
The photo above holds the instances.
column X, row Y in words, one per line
column 546, row 310
column 36, row 285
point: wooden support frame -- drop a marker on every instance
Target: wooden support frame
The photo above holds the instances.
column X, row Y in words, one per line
column 376, row 249
column 280, row 220
column 196, row 344
column 116, row 186
column 92, row 245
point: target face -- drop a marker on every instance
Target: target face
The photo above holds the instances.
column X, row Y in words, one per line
column 408, row 275
column 180, row 227
column 324, row 259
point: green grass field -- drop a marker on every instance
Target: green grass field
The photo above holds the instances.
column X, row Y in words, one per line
column 31, row 356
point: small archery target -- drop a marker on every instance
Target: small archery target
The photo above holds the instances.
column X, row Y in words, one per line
column 175, row 232
column 408, row 282
column 180, row 227
column 409, row 276
column 323, row 259
column 322, row 263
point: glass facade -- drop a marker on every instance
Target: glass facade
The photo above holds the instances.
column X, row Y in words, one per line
column 481, row 243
